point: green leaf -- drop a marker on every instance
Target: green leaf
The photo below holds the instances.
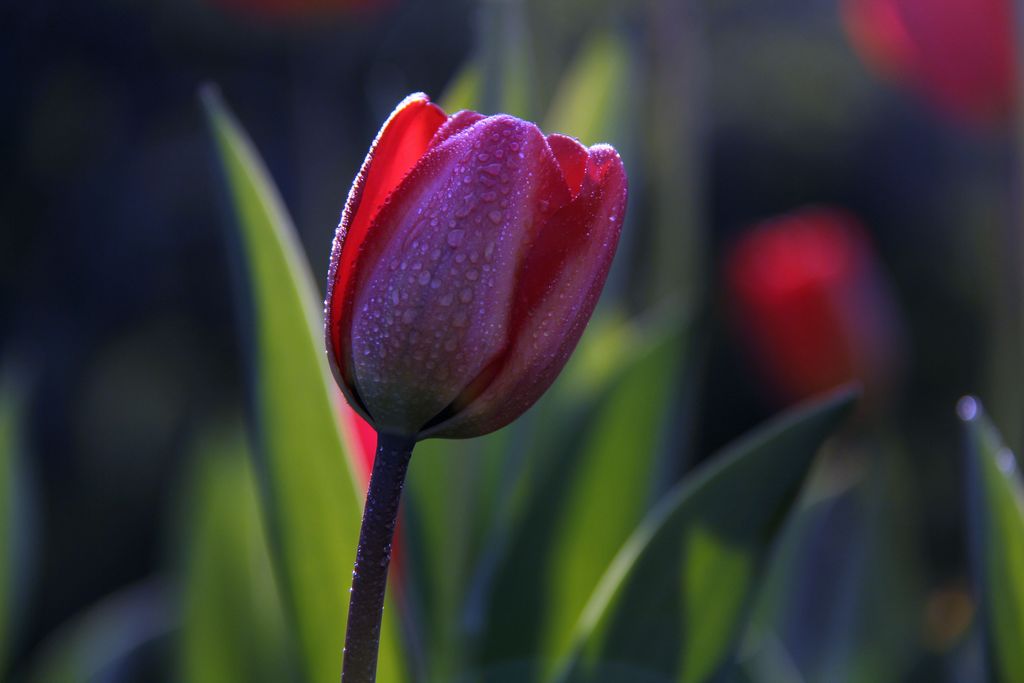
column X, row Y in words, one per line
column 233, row 627
column 463, row 91
column 841, row 599
column 93, row 646
column 452, row 502
column 996, row 507
column 669, row 606
column 310, row 490
column 8, row 512
column 588, row 104
column 558, row 553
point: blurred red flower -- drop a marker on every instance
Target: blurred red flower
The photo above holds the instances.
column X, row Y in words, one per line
column 959, row 54
column 361, row 444
column 810, row 303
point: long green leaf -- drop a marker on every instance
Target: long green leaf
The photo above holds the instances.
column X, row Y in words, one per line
column 313, row 500
column 839, row 600
column 589, row 104
column 996, row 501
column 233, row 628
column 8, row 494
column 669, row 607
column 571, row 531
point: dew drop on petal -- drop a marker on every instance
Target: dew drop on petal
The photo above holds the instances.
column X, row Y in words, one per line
column 454, row 238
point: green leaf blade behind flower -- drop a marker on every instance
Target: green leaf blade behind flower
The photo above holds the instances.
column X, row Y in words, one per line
column 8, row 497
column 233, row 627
column 310, row 492
column 996, row 506
column 580, row 498
column 670, row 605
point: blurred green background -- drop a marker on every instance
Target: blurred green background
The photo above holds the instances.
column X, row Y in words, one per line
column 131, row 533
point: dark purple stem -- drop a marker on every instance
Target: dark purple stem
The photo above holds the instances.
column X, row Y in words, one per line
column 370, row 578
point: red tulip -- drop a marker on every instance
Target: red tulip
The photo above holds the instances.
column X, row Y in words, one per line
column 960, row 54
column 811, row 304
column 469, row 258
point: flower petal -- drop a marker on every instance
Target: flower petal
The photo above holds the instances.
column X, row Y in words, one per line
column 433, row 288
column 572, row 158
column 400, row 143
column 560, row 280
column 457, row 123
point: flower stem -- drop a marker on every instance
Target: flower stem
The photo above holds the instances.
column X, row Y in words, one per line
column 369, row 580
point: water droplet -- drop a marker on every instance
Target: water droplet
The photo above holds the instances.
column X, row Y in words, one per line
column 407, row 318
column 435, row 283
column 492, row 169
column 435, row 255
column 489, row 251
column 483, row 156
column 489, row 196
column 460, row 258
column 394, row 264
column 394, row 296
column 495, row 216
column 466, row 295
column 424, row 278
column 454, row 238
column 446, row 300
column 472, row 274
column 417, row 265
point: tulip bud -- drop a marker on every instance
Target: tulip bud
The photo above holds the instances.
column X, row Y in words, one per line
column 469, row 258
column 811, row 305
column 960, row 54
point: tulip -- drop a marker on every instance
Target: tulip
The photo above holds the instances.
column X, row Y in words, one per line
column 469, row 258
column 960, row 54
column 809, row 302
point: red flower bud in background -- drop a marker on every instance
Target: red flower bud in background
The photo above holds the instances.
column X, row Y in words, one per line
column 960, row 54
column 810, row 303
column 469, row 258
column 360, row 442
